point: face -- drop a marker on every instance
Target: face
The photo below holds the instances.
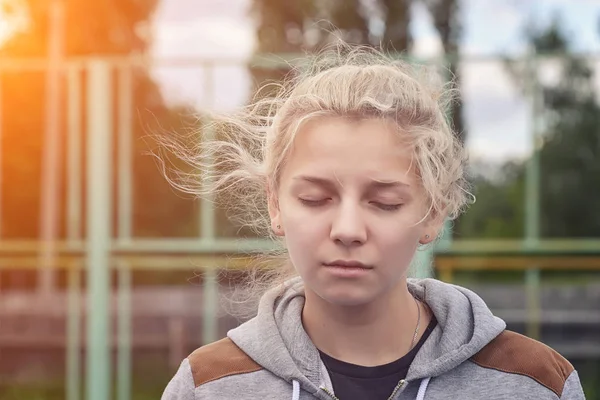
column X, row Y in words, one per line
column 350, row 206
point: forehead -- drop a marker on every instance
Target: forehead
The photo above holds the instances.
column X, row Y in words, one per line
column 350, row 149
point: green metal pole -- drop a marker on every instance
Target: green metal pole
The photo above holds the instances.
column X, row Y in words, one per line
column 208, row 233
column 51, row 157
column 209, row 325
column 532, row 202
column 207, row 209
column 73, row 356
column 124, row 334
column 532, row 172
column 422, row 264
column 73, row 377
column 445, row 237
column 125, row 166
column 74, row 167
column 1, row 175
column 98, row 230
column 1, row 149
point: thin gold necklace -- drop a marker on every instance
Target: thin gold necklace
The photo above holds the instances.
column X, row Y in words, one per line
column 413, row 343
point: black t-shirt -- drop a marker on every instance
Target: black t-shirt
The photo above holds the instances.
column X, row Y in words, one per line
column 352, row 381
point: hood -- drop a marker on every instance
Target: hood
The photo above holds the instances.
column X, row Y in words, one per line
column 276, row 339
column 465, row 326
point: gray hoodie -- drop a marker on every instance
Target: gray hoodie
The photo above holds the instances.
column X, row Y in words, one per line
column 469, row 355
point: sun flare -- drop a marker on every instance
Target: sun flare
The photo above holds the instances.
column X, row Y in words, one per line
column 13, row 18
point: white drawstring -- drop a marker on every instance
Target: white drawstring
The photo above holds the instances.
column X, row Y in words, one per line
column 296, row 390
column 422, row 389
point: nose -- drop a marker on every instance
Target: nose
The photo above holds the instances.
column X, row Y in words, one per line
column 348, row 227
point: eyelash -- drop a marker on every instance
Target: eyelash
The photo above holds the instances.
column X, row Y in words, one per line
column 317, row 203
column 313, row 203
column 389, row 207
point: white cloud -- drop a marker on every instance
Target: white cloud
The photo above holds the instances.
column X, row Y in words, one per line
column 214, row 36
column 223, row 87
column 427, row 47
column 492, row 26
column 210, row 30
column 495, row 111
column 185, row 10
column 497, row 115
column 426, row 41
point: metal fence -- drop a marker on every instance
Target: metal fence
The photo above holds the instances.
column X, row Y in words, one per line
column 100, row 252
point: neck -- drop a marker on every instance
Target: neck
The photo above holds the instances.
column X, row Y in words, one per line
column 372, row 334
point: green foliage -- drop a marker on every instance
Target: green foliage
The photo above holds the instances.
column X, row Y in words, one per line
column 569, row 158
column 498, row 211
column 295, row 27
column 306, row 25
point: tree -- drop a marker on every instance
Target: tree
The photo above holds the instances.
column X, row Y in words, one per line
column 298, row 26
column 446, row 18
column 293, row 28
column 102, row 28
column 569, row 156
column 498, row 212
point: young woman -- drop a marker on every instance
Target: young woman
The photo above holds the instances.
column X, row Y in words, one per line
column 353, row 167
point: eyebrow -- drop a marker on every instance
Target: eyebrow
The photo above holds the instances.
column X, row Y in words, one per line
column 380, row 183
column 375, row 183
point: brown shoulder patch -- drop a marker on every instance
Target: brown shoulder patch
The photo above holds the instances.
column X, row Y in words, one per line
column 219, row 359
column 517, row 354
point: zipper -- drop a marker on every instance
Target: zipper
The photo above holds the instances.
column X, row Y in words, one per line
column 396, row 389
column 329, row 393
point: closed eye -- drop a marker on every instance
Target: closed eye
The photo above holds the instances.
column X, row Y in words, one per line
column 387, row 207
column 313, row 203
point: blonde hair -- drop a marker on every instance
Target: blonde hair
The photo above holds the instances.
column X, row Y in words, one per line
column 238, row 156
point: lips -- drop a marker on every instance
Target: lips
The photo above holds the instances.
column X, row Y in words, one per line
column 347, row 264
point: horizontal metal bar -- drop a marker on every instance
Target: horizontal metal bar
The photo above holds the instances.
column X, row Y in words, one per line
column 192, row 245
column 37, row 341
column 136, row 262
column 229, row 261
column 520, row 263
column 33, row 262
column 26, row 64
column 581, row 350
column 543, row 246
column 258, row 60
column 183, row 262
column 195, row 246
column 554, row 317
column 199, row 246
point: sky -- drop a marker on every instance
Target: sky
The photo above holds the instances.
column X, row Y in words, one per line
column 496, row 114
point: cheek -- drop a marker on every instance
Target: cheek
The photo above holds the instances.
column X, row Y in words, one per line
column 298, row 217
column 402, row 239
column 302, row 230
column 399, row 241
column 302, row 240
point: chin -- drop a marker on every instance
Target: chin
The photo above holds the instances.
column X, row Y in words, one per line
column 347, row 297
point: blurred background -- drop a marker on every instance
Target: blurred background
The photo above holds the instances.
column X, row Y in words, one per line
column 109, row 277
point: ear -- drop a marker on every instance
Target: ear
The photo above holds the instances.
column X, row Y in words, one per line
column 274, row 212
column 432, row 227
